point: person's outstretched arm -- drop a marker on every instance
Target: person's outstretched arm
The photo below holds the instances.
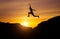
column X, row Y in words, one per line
column 34, row 10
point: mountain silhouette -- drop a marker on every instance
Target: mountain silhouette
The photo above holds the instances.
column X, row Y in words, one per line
column 14, row 31
column 49, row 29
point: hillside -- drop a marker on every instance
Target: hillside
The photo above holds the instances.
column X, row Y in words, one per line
column 48, row 29
column 14, row 31
column 45, row 30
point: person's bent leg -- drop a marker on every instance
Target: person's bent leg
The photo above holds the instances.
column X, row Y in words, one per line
column 28, row 14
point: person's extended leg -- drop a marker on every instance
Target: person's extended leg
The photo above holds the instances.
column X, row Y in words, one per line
column 34, row 15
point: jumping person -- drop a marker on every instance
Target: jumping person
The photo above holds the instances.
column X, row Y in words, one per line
column 31, row 11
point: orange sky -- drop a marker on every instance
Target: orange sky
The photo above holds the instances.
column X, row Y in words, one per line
column 15, row 11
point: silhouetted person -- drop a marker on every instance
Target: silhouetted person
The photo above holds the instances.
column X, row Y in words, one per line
column 31, row 11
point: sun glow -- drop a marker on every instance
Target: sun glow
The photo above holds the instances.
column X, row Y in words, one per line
column 25, row 24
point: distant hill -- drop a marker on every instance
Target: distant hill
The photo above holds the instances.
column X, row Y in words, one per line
column 48, row 29
column 14, row 31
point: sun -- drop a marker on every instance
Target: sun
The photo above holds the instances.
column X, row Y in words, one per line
column 25, row 24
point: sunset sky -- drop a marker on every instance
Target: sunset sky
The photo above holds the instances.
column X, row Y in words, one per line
column 16, row 11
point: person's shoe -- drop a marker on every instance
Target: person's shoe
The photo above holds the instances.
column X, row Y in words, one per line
column 28, row 16
column 38, row 16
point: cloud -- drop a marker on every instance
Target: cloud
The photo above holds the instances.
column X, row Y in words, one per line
column 48, row 4
column 10, row 8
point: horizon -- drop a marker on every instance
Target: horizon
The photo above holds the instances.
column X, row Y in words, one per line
column 24, row 25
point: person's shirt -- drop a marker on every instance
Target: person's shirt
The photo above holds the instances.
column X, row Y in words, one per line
column 31, row 9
